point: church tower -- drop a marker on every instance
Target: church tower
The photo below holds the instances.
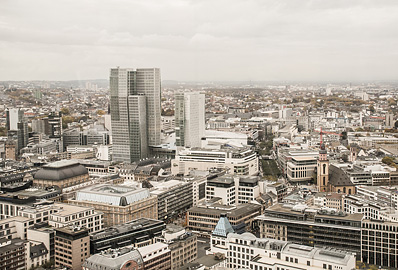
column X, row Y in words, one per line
column 323, row 170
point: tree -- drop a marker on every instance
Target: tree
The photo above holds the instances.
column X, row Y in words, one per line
column 396, row 124
column 100, row 112
column 372, row 109
column 65, row 111
column 388, row 160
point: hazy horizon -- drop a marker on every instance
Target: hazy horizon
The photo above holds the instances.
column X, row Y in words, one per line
column 201, row 41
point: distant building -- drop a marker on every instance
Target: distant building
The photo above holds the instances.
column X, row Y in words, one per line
column 17, row 128
column 189, row 118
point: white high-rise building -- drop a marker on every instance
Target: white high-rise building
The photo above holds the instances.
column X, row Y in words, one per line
column 189, row 119
column 135, row 112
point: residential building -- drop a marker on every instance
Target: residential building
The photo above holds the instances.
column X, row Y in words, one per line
column 189, row 118
column 13, row 254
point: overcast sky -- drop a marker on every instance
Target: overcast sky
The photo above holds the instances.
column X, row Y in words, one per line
column 200, row 40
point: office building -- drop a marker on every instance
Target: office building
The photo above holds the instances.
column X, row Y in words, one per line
column 174, row 197
column 233, row 190
column 139, row 232
column 248, row 251
column 313, row 227
column 156, row 256
column 72, row 247
column 119, row 204
column 203, row 218
column 237, row 160
column 135, row 112
column 189, row 118
column 182, row 245
column 379, row 243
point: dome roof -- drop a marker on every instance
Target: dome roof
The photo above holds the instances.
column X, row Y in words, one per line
column 60, row 170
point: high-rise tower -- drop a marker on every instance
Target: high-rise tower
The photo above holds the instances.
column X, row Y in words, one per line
column 135, row 112
column 189, row 118
column 17, row 127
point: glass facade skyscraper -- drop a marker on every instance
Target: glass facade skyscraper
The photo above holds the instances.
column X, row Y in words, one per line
column 135, row 112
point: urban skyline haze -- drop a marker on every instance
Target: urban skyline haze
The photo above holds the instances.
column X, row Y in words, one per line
column 200, row 40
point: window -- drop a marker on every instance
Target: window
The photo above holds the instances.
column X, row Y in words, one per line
column 308, row 263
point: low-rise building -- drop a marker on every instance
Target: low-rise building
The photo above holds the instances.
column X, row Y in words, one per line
column 204, row 217
column 64, row 173
column 241, row 161
column 156, row 256
column 122, row 258
column 136, row 233
column 13, row 254
column 119, row 204
column 311, row 226
column 248, row 251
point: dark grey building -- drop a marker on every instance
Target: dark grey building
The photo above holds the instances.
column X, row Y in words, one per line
column 174, row 197
column 138, row 232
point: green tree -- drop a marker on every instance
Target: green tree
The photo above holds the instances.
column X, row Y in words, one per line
column 388, row 160
column 65, row 111
column 372, row 109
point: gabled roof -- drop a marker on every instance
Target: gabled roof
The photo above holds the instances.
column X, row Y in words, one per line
column 223, row 227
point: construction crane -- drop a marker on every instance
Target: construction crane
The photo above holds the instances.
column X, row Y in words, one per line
column 321, row 132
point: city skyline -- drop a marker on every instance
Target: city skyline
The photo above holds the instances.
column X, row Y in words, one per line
column 201, row 41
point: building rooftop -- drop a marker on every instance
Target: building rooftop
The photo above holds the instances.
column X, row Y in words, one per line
column 60, row 170
column 113, row 259
column 112, row 194
column 125, row 227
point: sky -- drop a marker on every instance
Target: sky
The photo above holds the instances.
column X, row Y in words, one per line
column 200, row 40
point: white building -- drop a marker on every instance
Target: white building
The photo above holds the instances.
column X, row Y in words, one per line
column 242, row 161
column 233, row 190
column 246, row 251
column 189, row 119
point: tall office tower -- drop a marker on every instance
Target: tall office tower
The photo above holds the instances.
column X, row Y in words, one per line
column 135, row 112
column 189, row 119
column 17, row 127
